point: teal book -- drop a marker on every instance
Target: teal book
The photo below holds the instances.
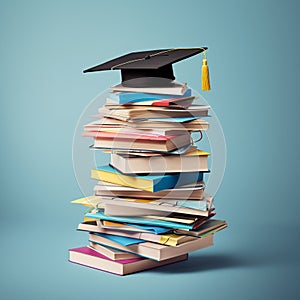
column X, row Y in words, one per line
column 151, row 183
column 130, row 97
column 141, row 221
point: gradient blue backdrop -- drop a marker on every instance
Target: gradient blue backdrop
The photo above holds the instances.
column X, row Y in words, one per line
column 254, row 63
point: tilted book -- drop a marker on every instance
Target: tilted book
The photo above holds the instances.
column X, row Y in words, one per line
column 151, row 183
column 153, row 250
column 91, row 258
column 168, row 239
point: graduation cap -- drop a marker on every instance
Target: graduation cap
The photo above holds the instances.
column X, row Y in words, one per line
column 151, row 68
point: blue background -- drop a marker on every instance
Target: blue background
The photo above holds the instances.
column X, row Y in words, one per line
column 254, row 62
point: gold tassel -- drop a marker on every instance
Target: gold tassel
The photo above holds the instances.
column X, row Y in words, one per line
column 205, row 74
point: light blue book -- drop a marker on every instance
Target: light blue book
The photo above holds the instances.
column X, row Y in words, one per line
column 141, row 221
column 151, row 183
column 152, row 229
column 129, row 97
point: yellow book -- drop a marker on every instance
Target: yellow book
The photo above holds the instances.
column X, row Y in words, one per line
column 150, row 183
column 90, row 201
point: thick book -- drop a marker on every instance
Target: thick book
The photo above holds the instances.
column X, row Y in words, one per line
column 91, row 258
column 169, row 239
column 133, row 141
column 153, row 250
column 129, row 97
column 175, row 88
column 195, row 191
column 131, row 164
column 150, row 183
column 152, row 112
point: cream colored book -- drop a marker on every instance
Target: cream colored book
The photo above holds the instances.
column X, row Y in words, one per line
column 153, row 250
column 191, row 162
column 98, row 126
column 107, row 189
column 114, row 254
column 147, row 142
column 154, row 112
column 140, row 207
column 153, row 124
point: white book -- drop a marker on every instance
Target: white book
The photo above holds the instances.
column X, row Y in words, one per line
column 134, row 207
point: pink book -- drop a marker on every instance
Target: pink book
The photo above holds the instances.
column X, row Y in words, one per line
column 127, row 136
column 90, row 258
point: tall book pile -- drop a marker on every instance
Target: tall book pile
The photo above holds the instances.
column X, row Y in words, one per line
column 149, row 207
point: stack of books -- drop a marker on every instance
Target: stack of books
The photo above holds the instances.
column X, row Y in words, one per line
column 149, row 207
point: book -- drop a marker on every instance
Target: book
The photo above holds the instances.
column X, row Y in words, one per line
column 153, row 112
column 169, row 239
column 209, row 225
column 187, row 150
column 97, row 126
column 138, row 221
column 141, row 207
column 122, row 240
column 131, row 164
column 174, row 217
column 138, row 141
column 195, row 191
column 183, row 102
column 115, row 254
column 92, row 258
column 150, row 183
column 175, row 88
column 190, row 124
column 133, row 227
column 129, row 97
column 180, row 103
column 153, row 250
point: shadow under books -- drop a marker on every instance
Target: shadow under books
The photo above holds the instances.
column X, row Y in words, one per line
column 199, row 263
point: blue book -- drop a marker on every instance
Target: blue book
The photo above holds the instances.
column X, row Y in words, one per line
column 138, row 220
column 151, row 183
column 123, row 98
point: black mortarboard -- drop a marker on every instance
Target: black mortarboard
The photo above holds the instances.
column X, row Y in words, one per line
column 147, row 68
